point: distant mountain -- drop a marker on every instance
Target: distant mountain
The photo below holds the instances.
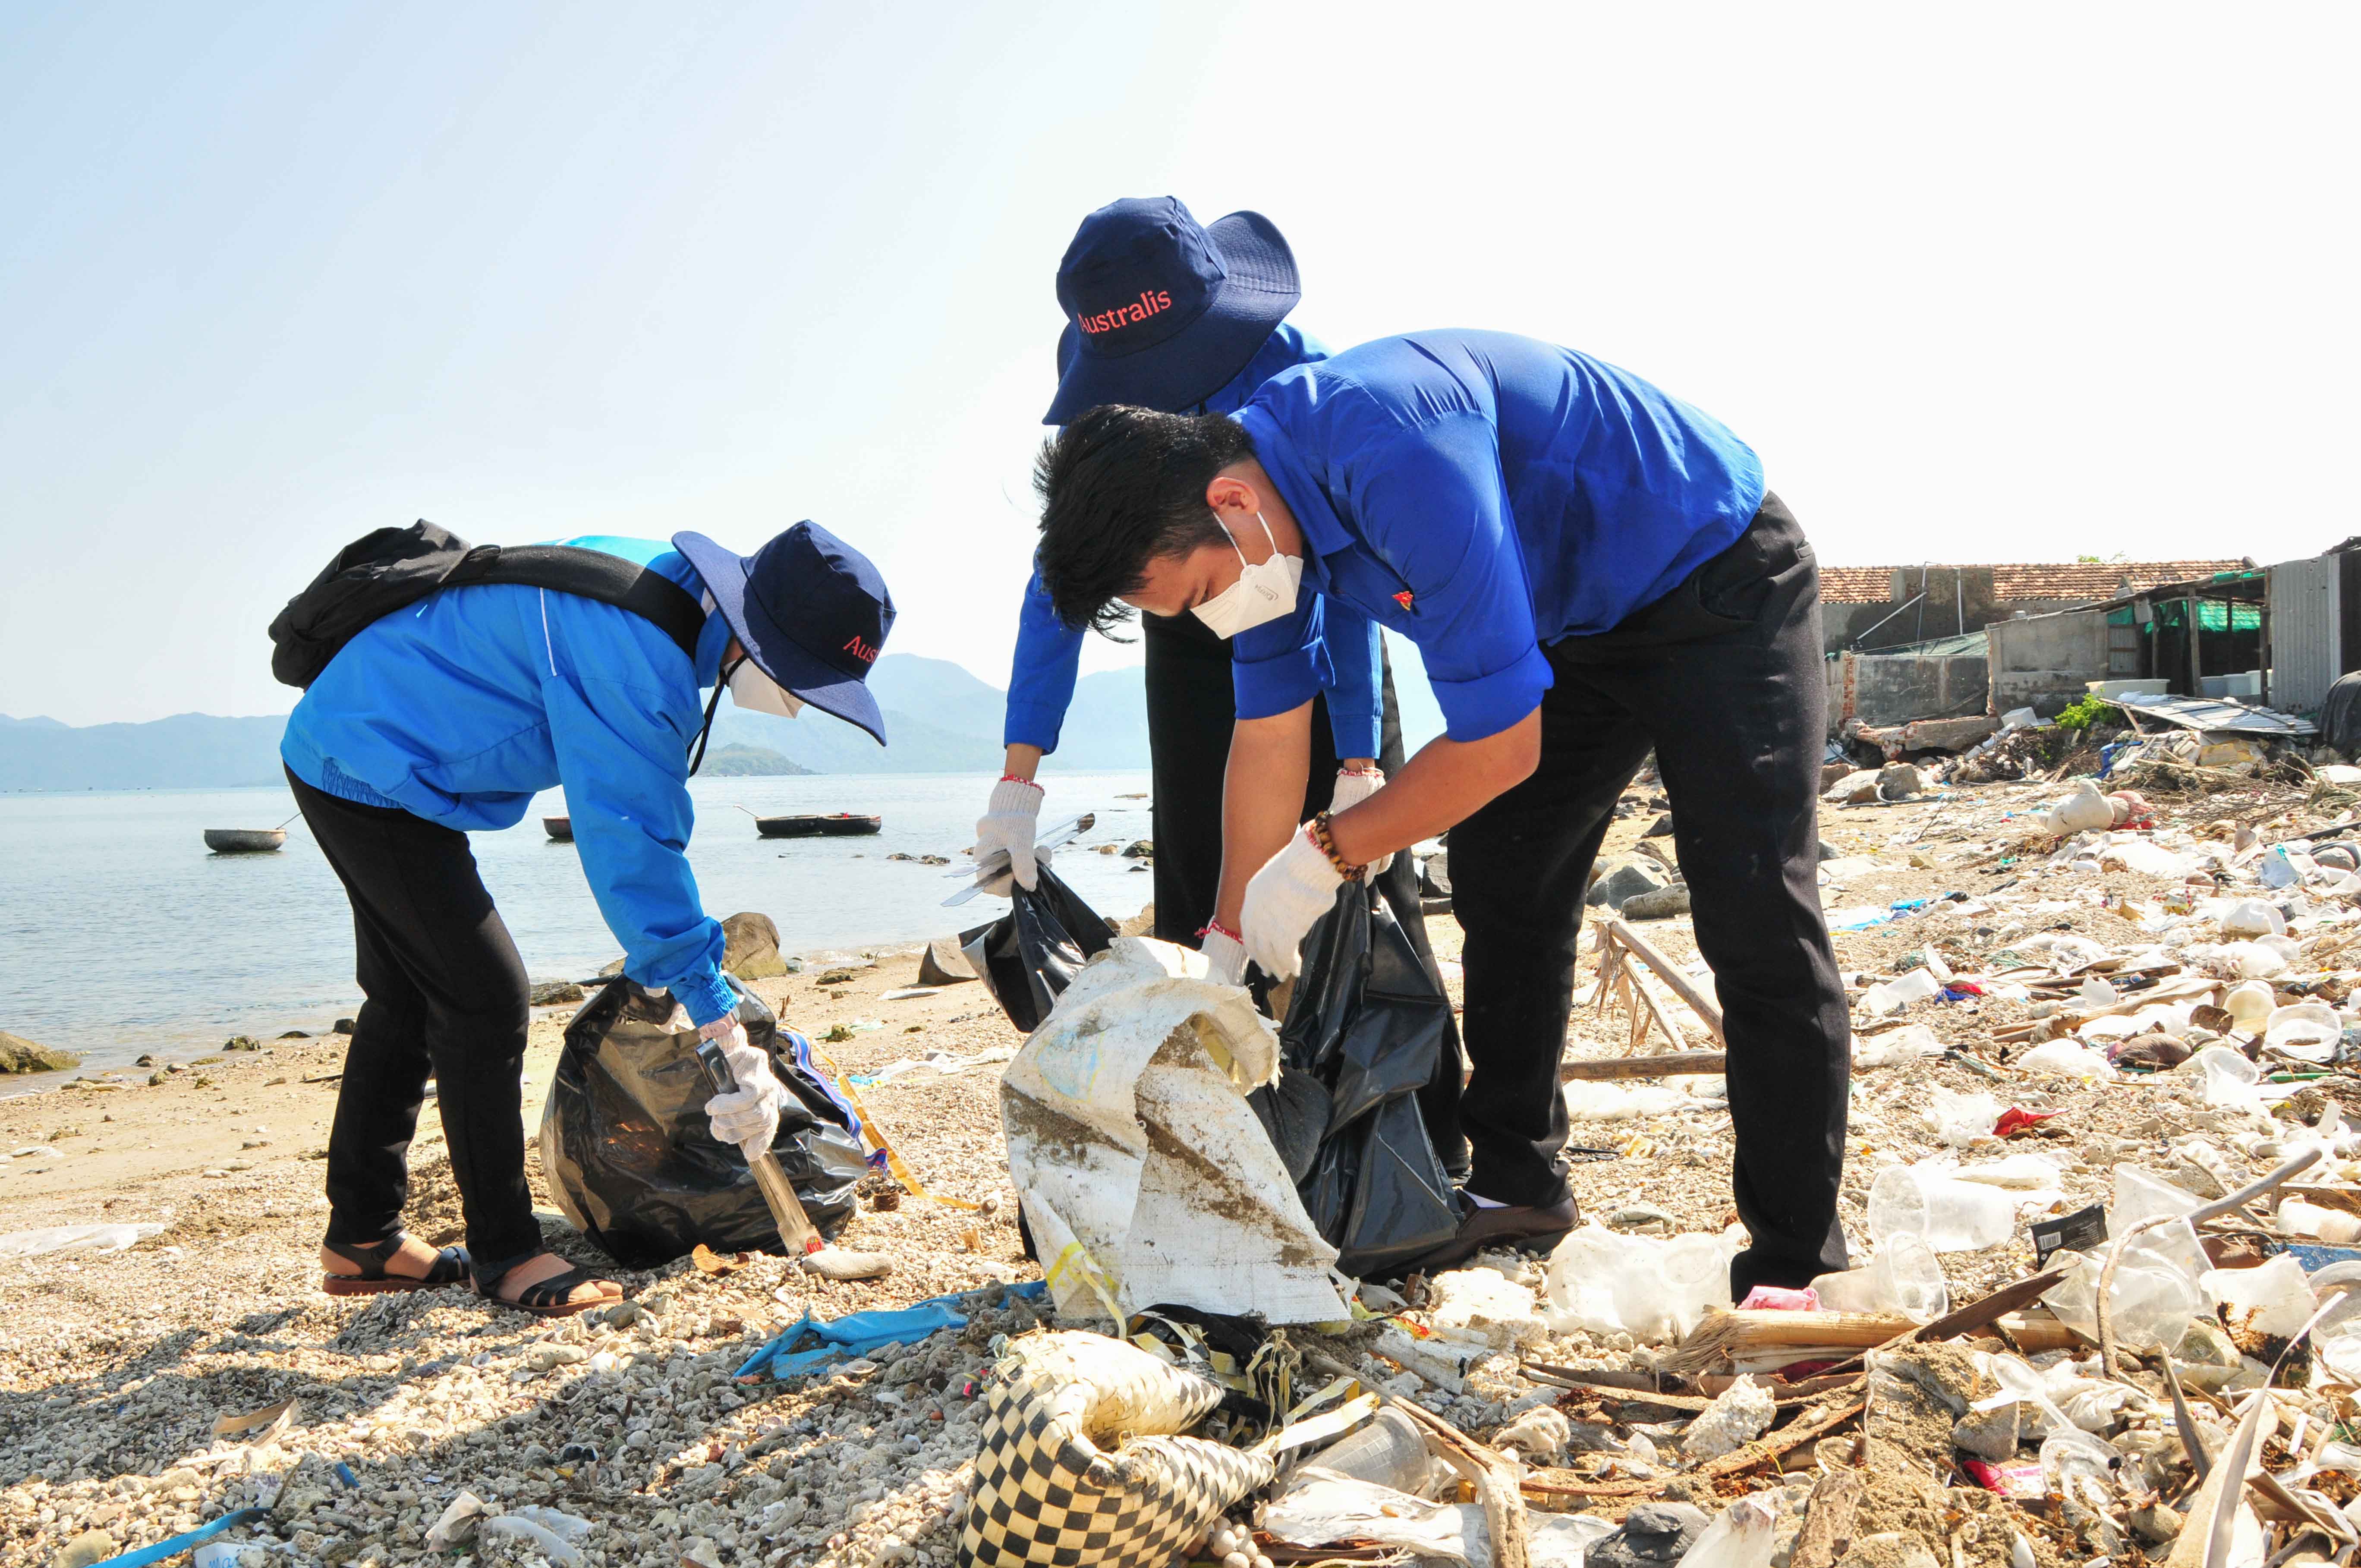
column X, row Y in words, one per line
column 749, row 762
column 940, row 718
column 188, row 750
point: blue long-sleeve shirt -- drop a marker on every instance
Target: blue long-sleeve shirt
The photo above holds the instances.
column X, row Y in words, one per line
column 1049, row 652
column 463, row 706
column 1484, row 495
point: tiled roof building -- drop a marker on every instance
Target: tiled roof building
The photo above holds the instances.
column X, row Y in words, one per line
column 2053, row 582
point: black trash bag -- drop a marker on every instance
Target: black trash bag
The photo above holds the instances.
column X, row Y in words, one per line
column 2340, row 715
column 1028, row 956
column 629, row 1154
column 1369, row 1025
column 1293, row 1109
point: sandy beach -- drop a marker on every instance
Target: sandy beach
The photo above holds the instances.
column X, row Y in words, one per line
column 114, row 1367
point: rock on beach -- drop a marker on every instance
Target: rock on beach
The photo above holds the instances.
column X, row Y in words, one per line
column 20, row 1055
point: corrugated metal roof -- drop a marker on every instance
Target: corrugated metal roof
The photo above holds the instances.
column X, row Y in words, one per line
column 2213, row 713
column 2073, row 582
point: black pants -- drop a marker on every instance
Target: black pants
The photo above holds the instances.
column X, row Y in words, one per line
column 1191, row 707
column 448, row 1000
column 1723, row 679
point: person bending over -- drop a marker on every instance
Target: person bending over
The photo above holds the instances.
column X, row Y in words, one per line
column 447, row 718
column 1590, row 569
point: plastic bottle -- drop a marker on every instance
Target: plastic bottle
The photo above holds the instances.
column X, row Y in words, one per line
column 1389, row 1452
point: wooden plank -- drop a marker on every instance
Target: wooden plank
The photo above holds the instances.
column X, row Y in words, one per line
column 1660, row 1066
column 1990, row 1308
column 1984, row 1312
column 1828, row 1521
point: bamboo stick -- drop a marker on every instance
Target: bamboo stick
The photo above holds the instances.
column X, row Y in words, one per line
column 1682, row 986
column 1664, row 1065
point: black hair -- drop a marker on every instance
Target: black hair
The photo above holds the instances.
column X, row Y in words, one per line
column 1121, row 486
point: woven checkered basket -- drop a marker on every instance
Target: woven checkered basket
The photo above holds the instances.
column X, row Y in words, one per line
column 1081, row 1464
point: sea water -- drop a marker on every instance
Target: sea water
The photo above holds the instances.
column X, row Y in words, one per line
column 121, row 934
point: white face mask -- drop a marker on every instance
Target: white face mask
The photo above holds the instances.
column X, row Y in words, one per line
column 1264, row 592
column 755, row 692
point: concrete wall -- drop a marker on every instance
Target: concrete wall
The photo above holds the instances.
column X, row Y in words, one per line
column 1895, row 688
column 1900, row 687
column 2045, row 662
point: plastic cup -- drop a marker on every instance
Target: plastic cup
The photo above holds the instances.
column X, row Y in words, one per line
column 1950, row 1214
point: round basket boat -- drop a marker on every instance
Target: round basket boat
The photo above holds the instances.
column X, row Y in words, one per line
column 559, row 828
column 843, row 825
column 244, row 840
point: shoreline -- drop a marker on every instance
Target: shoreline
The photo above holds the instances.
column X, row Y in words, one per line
column 188, row 1048
column 202, row 949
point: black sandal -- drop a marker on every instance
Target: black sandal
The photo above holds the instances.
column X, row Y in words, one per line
column 450, row 1267
column 545, row 1297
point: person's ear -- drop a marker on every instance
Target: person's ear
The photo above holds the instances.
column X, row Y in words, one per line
column 1228, row 493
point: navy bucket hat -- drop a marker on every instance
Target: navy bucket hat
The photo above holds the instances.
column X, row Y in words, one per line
column 811, row 612
column 1161, row 312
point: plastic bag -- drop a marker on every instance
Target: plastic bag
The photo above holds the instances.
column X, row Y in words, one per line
column 1369, row 1025
column 48, row 1239
column 1144, row 1177
column 1601, row 1281
column 632, row 1160
column 1028, row 956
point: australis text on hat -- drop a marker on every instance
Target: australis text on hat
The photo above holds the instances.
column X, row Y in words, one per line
column 1139, row 310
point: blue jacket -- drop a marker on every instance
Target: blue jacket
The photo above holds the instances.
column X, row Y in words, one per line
column 1484, row 495
column 462, row 708
column 1049, row 652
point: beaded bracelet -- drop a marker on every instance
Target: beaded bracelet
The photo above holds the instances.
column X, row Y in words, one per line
column 1325, row 842
column 1212, row 927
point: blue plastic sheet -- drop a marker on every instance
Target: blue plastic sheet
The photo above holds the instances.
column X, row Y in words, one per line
column 864, row 1331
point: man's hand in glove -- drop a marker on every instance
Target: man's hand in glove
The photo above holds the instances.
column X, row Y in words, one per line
column 1226, row 956
column 1294, row 889
column 1354, row 787
column 748, row 1119
column 1010, row 822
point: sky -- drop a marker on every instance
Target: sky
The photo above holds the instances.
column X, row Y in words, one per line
column 2004, row 282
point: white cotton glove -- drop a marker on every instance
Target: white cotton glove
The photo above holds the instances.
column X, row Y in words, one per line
column 1293, row 891
column 749, row 1118
column 1226, row 958
column 1351, row 790
column 1009, row 822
